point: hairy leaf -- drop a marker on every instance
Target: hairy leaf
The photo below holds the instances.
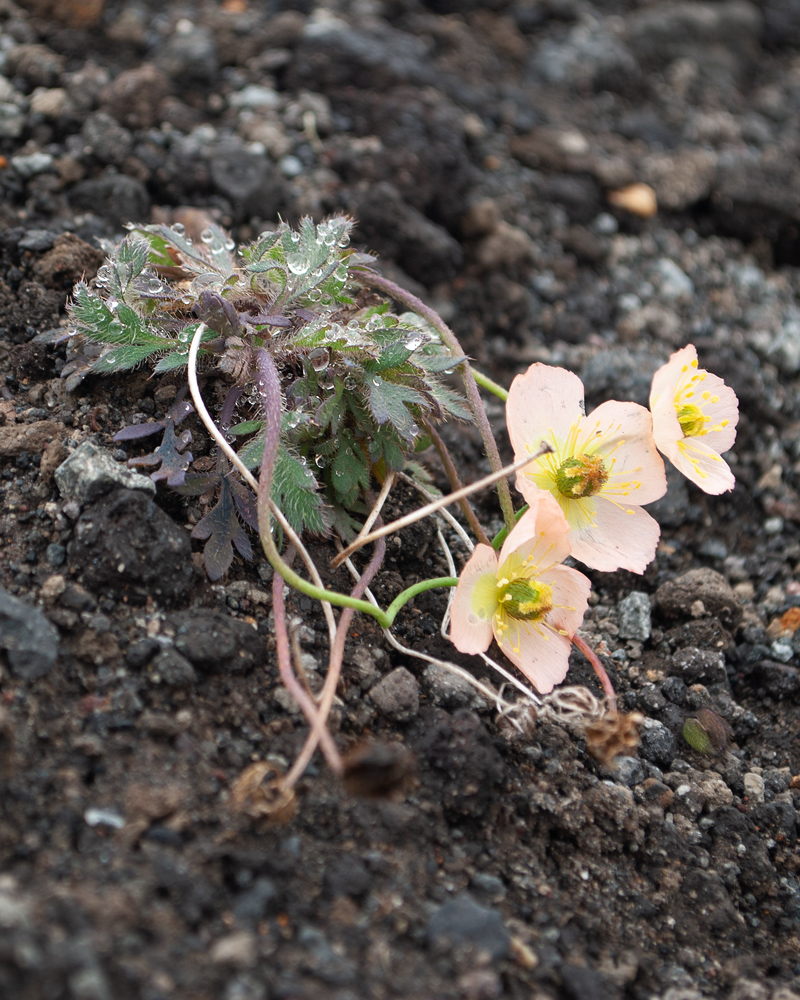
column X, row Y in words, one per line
column 296, row 492
column 388, row 400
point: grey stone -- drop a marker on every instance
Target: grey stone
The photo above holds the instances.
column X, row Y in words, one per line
column 397, row 695
column 117, row 198
column 673, row 283
column 12, row 121
column 89, row 472
column 253, row 905
column 109, row 141
column 657, row 744
column 255, row 96
column 753, row 787
column 125, row 546
column 171, row 668
column 629, row 771
column 634, row 616
column 703, row 666
column 698, row 593
column 463, row 921
column 447, row 690
column 321, row 961
column 29, row 640
column 245, row 177
column 216, row 643
column 32, row 164
column 190, row 56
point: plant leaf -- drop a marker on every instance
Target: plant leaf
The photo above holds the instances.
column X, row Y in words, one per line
column 223, row 530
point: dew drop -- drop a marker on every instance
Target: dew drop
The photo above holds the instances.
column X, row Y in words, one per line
column 297, row 263
column 320, row 461
column 294, row 237
column 207, row 235
column 319, row 358
column 179, row 228
column 154, row 285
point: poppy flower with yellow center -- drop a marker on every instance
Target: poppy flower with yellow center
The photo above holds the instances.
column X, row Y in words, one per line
column 524, row 597
column 694, row 420
column 600, row 469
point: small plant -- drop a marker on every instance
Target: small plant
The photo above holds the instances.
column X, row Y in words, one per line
column 332, row 396
column 358, row 382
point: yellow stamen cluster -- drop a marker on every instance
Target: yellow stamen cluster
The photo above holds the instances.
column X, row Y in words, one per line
column 688, row 406
column 581, row 476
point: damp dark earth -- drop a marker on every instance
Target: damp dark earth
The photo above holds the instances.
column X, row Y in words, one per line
column 592, row 185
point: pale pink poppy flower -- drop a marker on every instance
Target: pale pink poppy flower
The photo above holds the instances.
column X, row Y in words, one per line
column 694, row 420
column 530, row 603
column 601, row 469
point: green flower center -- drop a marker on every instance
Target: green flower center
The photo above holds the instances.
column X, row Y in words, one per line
column 581, row 477
column 692, row 420
column 525, row 600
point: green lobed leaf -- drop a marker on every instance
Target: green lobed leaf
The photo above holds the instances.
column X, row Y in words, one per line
column 120, row 359
column 387, row 402
column 296, row 491
column 349, row 472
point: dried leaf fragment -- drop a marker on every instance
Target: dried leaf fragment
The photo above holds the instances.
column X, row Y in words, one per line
column 614, row 734
column 259, row 793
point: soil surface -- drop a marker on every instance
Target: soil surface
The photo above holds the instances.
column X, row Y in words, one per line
column 488, row 151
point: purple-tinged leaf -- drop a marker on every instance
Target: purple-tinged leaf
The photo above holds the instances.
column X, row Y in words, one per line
column 306, row 314
column 246, row 503
column 222, row 528
column 264, row 319
column 195, row 484
column 134, row 432
column 171, row 455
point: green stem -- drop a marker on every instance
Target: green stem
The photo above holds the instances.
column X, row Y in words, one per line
column 449, row 339
column 418, row 588
column 502, row 534
column 490, row 385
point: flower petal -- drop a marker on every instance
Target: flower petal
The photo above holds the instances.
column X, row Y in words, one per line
column 622, row 435
column 666, row 378
column 472, row 611
column 570, row 598
column 721, row 406
column 617, row 537
column 542, row 405
column 703, row 466
column 541, row 536
column 539, row 652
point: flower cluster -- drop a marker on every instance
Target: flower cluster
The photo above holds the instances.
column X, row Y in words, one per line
column 585, row 491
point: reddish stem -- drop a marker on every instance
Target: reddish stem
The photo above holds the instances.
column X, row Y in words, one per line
column 598, row 668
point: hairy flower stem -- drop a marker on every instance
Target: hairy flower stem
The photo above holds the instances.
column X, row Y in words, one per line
column 598, row 668
column 295, row 688
column 455, row 481
column 449, row 339
column 334, row 672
